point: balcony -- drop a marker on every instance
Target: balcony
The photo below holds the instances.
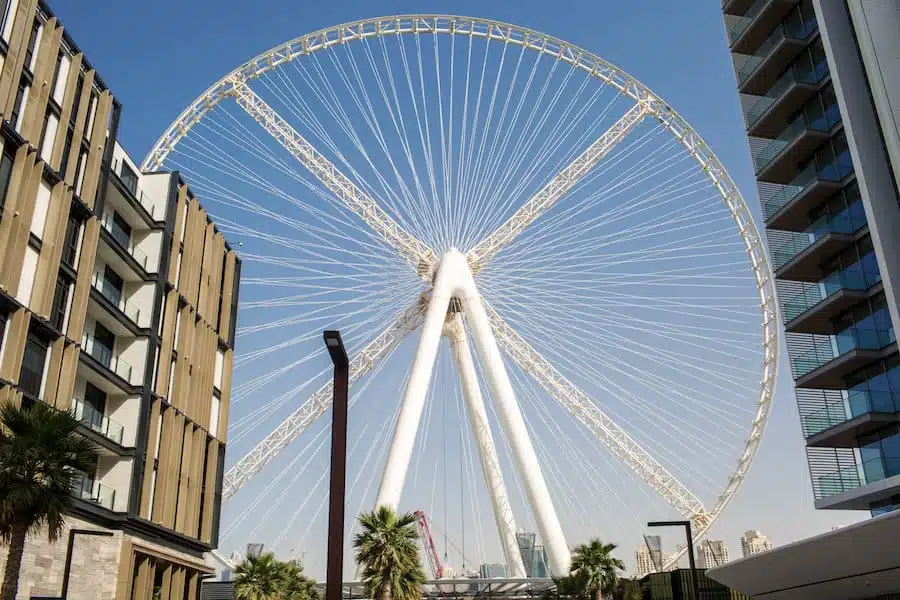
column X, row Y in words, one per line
column 855, row 488
column 750, row 29
column 758, row 72
column 802, row 260
column 824, row 367
column 776, row 160
column 736, row 7
column 106, row 357
column 787, row 206
column 124, row 241
column 840, row 425
column 812, row 310
column 128, row 185
column 114, row 296
column 88, row 489
column 767, row 115
column 96, row 421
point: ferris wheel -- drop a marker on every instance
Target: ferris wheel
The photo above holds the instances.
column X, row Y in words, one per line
column 422, row 182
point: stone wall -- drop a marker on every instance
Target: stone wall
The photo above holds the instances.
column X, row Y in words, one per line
column 95, row 564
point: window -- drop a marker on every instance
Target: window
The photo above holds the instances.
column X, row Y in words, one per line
column 32, row 45
column 26, row 280
column 79, row 171
column 60, row 302
column 18, row 106
column 34, row 360
column 121, row 230
column 67, row 151
column 6, row 164
column 94, row 406
column 92, row 112
column 214, row 416
column 76, row 103
column 129, row 178
column 104, row 344
column 4, row 319
column 41, row 206
column 48, row 137
column 111, row 286
column 7, row 14
column 72, row 241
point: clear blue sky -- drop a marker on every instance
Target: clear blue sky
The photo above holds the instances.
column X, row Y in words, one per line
column 157, row 57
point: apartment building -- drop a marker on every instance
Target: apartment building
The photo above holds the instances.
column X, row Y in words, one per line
column 815, row 79
column 118, row 300
column 819, row 82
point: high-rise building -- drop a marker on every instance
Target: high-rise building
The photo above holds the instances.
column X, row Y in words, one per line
column 711, row 553
column 817, row 100
column 117, row 302
column 534, row 556
column 492, row 570
column 753, row 542
column 648, row 556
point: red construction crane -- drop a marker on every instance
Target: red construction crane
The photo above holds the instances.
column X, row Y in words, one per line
column 437, row 570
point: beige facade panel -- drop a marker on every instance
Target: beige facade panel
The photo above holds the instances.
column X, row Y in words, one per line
column 225, row 400
column 224, row 324
column 35, row 111
column 15, row 57
column 68, row 103
column 147, row 485
column 14, row 344
column 206, row 511
column 16, row 223
column 95, row 154
column 65, row 389
column 51, row 250
column 81, row 291
column 81, row 117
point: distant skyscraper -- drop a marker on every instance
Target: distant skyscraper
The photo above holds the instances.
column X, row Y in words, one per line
column 492, row 570
column 654, row 545
column 643, row 561
column 712, row 553
column 753, row 542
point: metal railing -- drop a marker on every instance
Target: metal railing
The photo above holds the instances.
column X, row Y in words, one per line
column 814, row 295
column 850, row 339
column 97, row 421
column 796, row 31
column 800, row 241
column 763, row 103
column 132, row 186
column 106, row 357
column 87, row 488
column 745, row 20
column 830, row 117
column 859, row 402
column 869, row 471
column 124, row 240
column 115, row 296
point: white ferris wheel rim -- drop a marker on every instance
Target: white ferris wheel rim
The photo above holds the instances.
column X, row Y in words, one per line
column 594, row 66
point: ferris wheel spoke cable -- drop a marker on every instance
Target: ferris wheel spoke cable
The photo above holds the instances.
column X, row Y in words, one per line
column 634, row 233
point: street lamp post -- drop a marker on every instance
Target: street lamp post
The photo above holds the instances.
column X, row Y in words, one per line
column 690, row 548
column 333, row 580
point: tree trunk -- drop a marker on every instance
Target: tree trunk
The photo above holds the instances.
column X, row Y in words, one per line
column 598, row 595
column 386, row 593
column 13, row 563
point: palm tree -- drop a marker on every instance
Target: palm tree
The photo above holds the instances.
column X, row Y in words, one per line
column 258, row 577
column 386, row 550
column 595, row 568
column 41, row 457
column 294, row 585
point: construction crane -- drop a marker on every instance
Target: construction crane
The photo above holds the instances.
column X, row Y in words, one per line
column 437, row 570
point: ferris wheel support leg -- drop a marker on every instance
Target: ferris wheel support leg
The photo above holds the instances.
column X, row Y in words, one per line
column 487, row 451
column 514, row 424
column 400, row 453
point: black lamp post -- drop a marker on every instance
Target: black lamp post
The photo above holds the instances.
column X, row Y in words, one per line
column 333, row 579
column 690, row 548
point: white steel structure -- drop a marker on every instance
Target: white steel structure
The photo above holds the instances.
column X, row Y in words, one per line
column 428, row 208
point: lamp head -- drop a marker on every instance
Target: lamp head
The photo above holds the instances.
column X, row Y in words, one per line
column 335, row 346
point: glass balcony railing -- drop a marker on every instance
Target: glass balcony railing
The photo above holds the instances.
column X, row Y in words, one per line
column 832, row 172
column 114, row 295
column 822, row 123
column 106, row 357
column 795, row 31
column 95, row 419
column 791, row 77
column 845, row 341
column 130, row 180
column 800, row 241
column 87, row 488
column 879, row 468
column 124, row 240
column 814, row 295
column 858, row 403
column 741, row 25
column 840, row 481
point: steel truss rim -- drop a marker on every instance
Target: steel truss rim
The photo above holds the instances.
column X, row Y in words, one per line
column 594, row 66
